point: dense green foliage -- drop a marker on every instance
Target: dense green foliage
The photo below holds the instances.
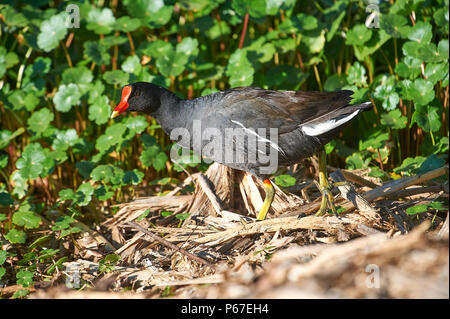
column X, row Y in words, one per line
column 63, row 160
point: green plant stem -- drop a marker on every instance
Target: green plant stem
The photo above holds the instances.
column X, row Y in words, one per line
column 432, row 138
column 316, row 73
column 66, row 53
column 22, row 68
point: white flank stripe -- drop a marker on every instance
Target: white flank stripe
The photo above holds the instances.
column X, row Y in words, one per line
column 320, row 128
column 260, row 138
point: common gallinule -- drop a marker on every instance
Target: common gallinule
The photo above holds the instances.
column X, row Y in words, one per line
column 290, row 124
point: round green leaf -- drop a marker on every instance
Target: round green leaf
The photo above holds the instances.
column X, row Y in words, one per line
column 171, row 64
column 101, row 21
column 52, row 31
column 285, row 180
column 358, row 35
column 66, row 97
column 127, row 24
column 100, row 110
column 28, row 220
column 116, row 77
column 394, row 119
column 132, row 65
column 15, row 236
column 395, row 25
column 39, row 121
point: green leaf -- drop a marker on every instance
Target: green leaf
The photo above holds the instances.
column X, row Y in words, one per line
column 96, row 52
column 436, row 72
column 3, row 255
column 35, row 161
column 152, row 156
column 299, row 23
column 15, row 236
column 113, row 135
column 135, row 125
column 66, row 97
column 6, row 136
column 3, row 160
column 442, row 146
column 67, row 194
column 172, row 63
column 422, row 208
column 218, row 30
column 29, row 220
column 52, row 31
column 116, row 77
column 84, row 194
column 20, row 184
column 156, row 48
column 394, row 119
column 159, row 162
column 421, row 32
column 101, row 21
column 386, row 93
column 133, row 177
column 6, row 199
column 23, row 100
column 7, row 60
column 132, row 65
column 127, row 24
column 285, row 180
column 39, row 121
column 357, row 74
column 165, row 213
column 421, row 92
column 312, row 42
column 375, row 42
column 14, row 18
column 71, row 230
column 239, row 69
column 188, row 46
column 20, row 293
column 65, row 139
column 432, row 162
column 443, row 48
column 182, row 216
column 357, row 161
column 24, row 278
column 395, row 25
column 358, row 35
column 84, row 168
column 377, row 172
column 409, row 68
column 62, row 222
column 335, row 82
column 100, row 110
column 152, row 13
column 107, row 174
column 255, row 8
column 374, row 141
column 410, row 165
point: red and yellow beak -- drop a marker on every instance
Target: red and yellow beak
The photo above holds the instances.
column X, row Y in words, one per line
column 123, row 105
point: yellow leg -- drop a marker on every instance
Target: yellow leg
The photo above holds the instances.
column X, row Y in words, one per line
column 270, row 193
column 325, row 189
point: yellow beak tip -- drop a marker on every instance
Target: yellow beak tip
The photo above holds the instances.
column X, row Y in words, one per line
column 114, row 114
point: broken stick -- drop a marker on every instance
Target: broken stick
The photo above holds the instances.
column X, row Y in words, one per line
column 166, row 243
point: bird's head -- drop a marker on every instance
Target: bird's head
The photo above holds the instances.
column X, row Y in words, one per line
column 139, row 97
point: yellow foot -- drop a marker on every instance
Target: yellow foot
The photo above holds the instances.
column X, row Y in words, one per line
column 270, row 193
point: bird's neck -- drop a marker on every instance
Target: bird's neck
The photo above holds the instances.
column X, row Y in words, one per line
column 172, row 113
